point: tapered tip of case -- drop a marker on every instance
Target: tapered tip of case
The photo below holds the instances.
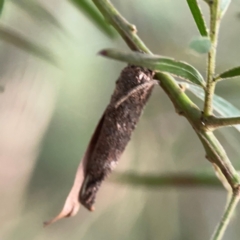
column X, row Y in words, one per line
column 47, row 223
column 92, row 209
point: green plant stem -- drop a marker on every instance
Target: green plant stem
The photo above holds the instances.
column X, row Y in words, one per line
column 183, row 105
column 214, row 29
column 166, row 180
column 214, row 122
column 90, row 11
column 221, row 228
column 125, row 29
column 217, row 156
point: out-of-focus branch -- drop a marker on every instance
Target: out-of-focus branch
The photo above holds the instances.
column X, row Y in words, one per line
column 166, row 180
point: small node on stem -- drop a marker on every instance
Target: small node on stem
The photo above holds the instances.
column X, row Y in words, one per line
column 182, row 86
column 204, row 121
column 133, row 28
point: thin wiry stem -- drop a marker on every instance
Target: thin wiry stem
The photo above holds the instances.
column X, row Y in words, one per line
column 125, row 29
column 214, row 29
column 221, row 228
column 214, row 122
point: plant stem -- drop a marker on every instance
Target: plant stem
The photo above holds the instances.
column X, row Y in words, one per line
column 183, row 105
column 125, row 29
column 221, row 228
column 214, row 29
column 166, row 180
column 214, row 122
column 216, row 154
column 180, row 100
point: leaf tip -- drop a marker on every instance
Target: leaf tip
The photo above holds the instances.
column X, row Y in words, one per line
column 65, row 213
column 103, row 53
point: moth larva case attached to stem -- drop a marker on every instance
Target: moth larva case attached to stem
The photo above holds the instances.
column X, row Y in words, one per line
column 117, row 124
column 113, row 132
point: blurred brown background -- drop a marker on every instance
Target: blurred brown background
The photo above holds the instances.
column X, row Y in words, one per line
column 48, row 115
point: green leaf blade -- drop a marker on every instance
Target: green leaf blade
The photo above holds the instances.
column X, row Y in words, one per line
column 201, row 45
column 224, row 4
column 221, row 106
column 198, row 17
column 11, row 37
column 37, row 12
column 1, row 5
column 158, row 63
column 231, row 73
column 91, row 12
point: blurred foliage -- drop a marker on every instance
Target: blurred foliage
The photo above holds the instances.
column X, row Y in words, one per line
column 38, row 12
column 201, row 44
column 60, row 108
column 1, row 5
column 11, row 37
column 90, row 10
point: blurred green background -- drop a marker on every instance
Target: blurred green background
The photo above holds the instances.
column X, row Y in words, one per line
column 48, row 114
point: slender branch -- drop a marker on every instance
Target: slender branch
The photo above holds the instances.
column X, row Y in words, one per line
column 217, row 156
column 221, row 228
column 180, row 100
column 214, row 151
column 183, row 105
column 214, row 122
column 125, row 29
column 166, row 180
column 214, row 29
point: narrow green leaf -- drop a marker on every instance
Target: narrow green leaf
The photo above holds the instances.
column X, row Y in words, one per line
column 158, row 63
column 93, row 14
column 37, row 12
column 221, row 106
column 13, row 38
column 198, row 17
column 1, row 5
column 224, row 4
column 201, row 45
column 231, row 73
